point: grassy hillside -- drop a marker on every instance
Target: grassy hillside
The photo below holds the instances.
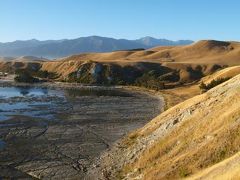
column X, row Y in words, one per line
column 184, row 140
column 195, row 138
column 202, row 52
column 184, row 63
column 191, row 61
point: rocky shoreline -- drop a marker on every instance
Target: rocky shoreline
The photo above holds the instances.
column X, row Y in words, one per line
column 67, row 145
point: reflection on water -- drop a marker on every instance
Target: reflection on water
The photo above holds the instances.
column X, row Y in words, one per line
column 43, row 103
column 14, row 106
column 3, row 117
column 8, row 92
column 2, row 144
column 29, row 101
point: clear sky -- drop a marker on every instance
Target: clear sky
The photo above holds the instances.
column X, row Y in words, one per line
column 130, row 19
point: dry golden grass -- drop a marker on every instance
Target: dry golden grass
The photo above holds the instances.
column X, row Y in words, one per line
column 191, row 137
column 205, row 53
column 201, row 52
column 228, row 169
column 225, row 73
column 177, row 95
column 187, row 138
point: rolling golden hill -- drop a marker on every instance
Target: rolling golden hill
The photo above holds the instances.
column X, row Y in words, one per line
column 191, row 61
column 203, row 54
column 192, row 139
column 197, row 138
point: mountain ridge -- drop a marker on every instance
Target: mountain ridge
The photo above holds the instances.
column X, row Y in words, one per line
column 66, row 47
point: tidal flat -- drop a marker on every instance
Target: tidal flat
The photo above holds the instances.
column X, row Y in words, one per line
column 56, row 133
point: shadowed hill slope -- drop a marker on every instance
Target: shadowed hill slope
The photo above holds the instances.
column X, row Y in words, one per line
column 206, row 53
column 189, row 62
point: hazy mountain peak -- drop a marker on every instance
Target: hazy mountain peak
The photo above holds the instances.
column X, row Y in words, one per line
column 61, row 48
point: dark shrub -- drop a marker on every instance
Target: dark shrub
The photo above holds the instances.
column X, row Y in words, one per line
column 25, row 77
column 150, row 80
column 212, row 84
column 44, row 74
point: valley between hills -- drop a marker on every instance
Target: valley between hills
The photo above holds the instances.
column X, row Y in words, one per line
column 197, row 134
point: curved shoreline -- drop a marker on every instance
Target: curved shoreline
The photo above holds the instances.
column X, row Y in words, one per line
column 132, row 109
column 64, row 85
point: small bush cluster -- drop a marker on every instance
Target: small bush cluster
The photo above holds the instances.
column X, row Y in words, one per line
column 150, row 80
column 119, row 76
column 183, row 173
column 30, row 76
column 44, row 74
column 25, row 77
column 84, row 78
column 212, row 84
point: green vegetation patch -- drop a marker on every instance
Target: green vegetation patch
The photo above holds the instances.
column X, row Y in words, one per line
column 212, row 84
column 25, row 77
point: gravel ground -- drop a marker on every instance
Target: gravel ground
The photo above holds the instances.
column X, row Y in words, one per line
column 76, row 131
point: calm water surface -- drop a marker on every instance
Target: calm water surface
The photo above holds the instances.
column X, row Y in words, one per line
column 43, row 102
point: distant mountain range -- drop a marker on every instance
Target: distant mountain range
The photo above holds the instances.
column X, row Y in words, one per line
column 65, row 47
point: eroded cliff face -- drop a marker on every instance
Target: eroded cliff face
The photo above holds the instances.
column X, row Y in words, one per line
column 147, row 74
column 183, row 140
column 150, row 75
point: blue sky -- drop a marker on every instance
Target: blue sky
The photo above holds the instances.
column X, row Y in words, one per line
column 130, row 19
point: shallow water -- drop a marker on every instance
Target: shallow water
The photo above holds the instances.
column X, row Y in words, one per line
column 57, row 133
column 27, row 101
column 42, row 102
column 9, row 92
column 2, row 144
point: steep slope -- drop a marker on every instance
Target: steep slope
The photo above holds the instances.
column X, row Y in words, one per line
column 176, row 95
column 228, row 169
column 225, row 73
column 183, row 140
